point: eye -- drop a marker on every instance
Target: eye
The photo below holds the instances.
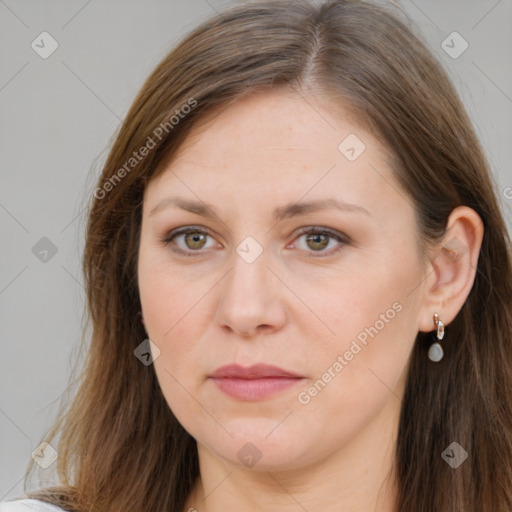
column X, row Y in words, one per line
column 320, row 240
column 188, row 240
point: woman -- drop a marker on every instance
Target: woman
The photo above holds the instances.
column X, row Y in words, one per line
column 298, row 214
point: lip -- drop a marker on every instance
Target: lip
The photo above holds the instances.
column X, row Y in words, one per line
column 253, row 383
column 256, row 371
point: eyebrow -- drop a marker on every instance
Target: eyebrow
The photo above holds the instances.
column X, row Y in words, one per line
column 283, row 212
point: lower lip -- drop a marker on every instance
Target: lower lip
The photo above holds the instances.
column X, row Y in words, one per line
column 255, row 389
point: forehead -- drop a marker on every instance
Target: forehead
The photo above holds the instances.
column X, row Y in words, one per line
column 278, row 143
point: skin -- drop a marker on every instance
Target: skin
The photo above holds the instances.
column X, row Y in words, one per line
column 299, row 305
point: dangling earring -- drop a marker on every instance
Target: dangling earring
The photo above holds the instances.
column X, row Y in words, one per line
column 435, row 352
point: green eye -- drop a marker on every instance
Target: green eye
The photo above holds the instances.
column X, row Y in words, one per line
column 189, row 241
column 195, row 240
column 313, row 240
column 317, row 241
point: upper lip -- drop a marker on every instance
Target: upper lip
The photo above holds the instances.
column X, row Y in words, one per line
column 257, row 371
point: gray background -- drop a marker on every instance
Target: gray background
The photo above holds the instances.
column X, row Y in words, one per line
column 58, row 116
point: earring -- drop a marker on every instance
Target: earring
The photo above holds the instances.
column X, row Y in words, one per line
column 435, row 352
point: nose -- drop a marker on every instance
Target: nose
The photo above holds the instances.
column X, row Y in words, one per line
column 251, row 301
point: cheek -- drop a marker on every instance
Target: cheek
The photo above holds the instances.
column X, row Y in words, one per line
column 359, row 374
column 167, row 310
column 172, row 321
column 176, row 313
column 167, row 297
column 373, row 313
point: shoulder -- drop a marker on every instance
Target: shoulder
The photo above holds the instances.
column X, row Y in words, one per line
column 28, row 505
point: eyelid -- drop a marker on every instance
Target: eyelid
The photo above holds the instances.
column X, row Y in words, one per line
column 321, row 229
column 184, row 230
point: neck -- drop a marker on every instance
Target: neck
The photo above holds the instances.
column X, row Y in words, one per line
column 358, row 477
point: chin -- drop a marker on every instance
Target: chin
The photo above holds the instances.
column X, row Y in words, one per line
column 263, row 444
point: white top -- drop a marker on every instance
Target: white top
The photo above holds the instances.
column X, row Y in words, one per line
column 28, row 505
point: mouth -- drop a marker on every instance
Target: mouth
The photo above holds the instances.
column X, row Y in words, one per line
column 253, row 383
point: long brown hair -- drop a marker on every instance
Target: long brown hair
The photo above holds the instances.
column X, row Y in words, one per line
column 120, row 448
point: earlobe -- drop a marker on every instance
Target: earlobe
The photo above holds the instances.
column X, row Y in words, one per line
column 454, row 261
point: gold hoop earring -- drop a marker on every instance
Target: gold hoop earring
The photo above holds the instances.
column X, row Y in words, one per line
column 435, row 352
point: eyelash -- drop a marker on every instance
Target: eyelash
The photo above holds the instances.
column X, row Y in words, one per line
column 339, row 237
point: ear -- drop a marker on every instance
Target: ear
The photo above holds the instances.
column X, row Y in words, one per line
column 452, row 268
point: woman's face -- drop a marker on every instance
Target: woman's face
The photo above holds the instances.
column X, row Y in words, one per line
column 291, row 245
